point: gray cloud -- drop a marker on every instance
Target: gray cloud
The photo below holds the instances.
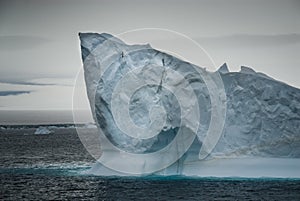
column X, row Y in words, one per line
column 20, row 42
column 13, row 93
column 247, row 40
column 25, row 83
column 16, row 81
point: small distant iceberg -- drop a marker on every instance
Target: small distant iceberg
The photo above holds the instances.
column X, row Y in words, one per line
column 89, row 125
column 42, row 131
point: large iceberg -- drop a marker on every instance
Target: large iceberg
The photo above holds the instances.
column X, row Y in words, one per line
column 157, row 114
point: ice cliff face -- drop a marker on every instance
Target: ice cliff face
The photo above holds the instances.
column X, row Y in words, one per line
column 262, row 115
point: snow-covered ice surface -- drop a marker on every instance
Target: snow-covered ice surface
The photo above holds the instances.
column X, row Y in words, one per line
column 260, row 137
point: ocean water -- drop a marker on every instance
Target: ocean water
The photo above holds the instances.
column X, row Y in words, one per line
column 52, row 167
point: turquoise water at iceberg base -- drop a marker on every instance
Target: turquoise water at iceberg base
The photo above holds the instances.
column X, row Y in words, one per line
column 55, row 166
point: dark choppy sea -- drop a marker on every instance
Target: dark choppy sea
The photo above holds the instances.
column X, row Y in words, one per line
column 50, row 167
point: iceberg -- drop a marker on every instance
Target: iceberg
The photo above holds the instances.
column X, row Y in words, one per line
column 42, row 130
column 157, row 114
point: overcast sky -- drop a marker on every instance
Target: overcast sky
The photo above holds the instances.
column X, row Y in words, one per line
column 39, row 46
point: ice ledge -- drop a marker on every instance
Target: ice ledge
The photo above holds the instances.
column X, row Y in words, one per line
column 247, row 70
column 223, row 168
